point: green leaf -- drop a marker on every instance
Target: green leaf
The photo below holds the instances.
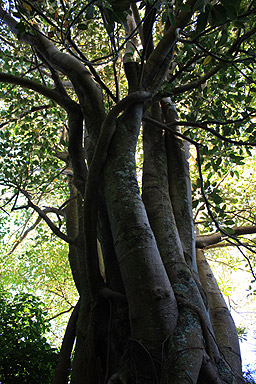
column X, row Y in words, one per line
column 82, row 26
column 20, row 26
column 218, row 15
column 229, row 230
column 199, row 5
column 184, row 7
column 231, row 10
column 201, row 22
column 229, row 4
column 223, row 39
column 120, row 5
column 90, row 11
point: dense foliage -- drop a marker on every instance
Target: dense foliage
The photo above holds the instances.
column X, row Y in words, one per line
column 25, row 357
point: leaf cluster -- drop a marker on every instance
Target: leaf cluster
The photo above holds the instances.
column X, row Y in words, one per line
column 26, row 356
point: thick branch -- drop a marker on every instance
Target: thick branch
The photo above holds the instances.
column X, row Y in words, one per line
column 93, row 180
column 37, row 87
column 9, row 21
column 107, row 132
column 221, row 320
column 159, row 61
column 180, row 184
column 204, row 241
column 93, row 71
column 47, row 220
column 208, row 206
column 86, row 88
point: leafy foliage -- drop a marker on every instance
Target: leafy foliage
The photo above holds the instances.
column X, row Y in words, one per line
column 26, row 357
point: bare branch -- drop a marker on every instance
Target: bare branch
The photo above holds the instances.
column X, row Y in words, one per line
column 33, row 226
column 224, row 263
column 48, row 221
column 228, row 244
column 61, row 313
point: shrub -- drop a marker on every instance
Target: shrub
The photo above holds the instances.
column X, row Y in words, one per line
column 26, row 356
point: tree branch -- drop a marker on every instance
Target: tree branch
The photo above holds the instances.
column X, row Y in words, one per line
column 159, row 61
column 208, row 206
column 204, row 241
column 62, row 370
column 33, row 226
column 208, row 75
column 228, row 244
column 93, row 71
column 60, row 313
column 24, row 114
column 48, row 221
column 86, row 88
column 189, row 86
column 9, row 21
column 37, row 87
column 203, row 125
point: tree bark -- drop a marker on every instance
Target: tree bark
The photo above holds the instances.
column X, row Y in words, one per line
column 153, row 313
column 221, row 319
column 62, row 370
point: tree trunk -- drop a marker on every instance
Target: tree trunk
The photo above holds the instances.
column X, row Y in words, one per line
column 148, row 313
column 222, row 322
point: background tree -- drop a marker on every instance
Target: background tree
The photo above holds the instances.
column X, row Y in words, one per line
column 80, row 83
column 26, row 357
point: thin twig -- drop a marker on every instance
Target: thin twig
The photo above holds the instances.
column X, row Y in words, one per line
column 60, row 313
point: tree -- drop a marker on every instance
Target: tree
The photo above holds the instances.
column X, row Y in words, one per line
column 26, row 357
column 149, row 308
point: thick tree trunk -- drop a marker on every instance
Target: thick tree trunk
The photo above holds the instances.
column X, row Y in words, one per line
column 222, row 322
column 155, row 324
column 151, row 301
column 146, row 316
column 188, row 334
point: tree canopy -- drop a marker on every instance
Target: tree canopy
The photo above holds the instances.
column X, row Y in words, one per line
column 87, row 87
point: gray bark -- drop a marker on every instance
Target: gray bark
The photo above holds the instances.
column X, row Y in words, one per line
column 134, row 241
column 221, row 319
